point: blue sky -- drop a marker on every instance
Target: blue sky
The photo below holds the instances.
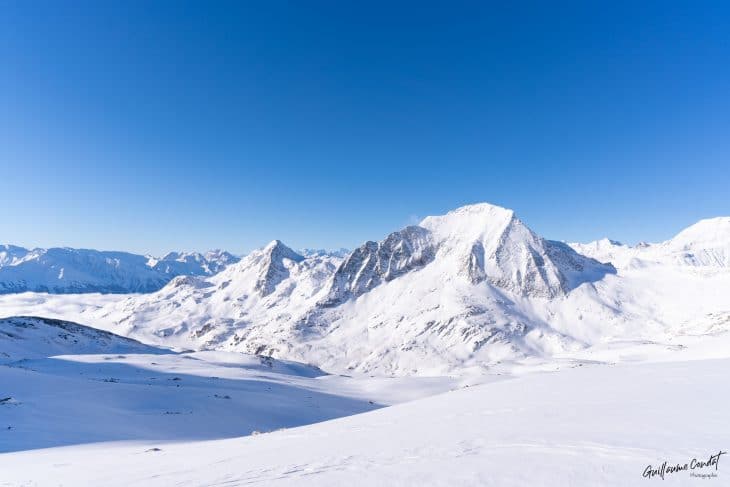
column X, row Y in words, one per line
column 171, row 125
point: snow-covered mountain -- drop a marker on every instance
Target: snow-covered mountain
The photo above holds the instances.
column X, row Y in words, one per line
column 466, row 290
column 424, row 299
column 67, row 270
column 706, row 244
column 272, row 287
column 193, row 263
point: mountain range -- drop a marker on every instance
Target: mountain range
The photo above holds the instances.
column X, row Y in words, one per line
column 463, row 291
column 65, row 270
column 704, row 244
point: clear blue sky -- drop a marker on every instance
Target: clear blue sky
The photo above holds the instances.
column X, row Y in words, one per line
column 155, row 126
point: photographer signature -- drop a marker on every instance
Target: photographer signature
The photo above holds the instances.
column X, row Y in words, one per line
column 666, row 468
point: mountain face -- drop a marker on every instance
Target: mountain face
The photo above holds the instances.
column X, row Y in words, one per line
column 489, row 243
column 66, row 270
column 340, row 253
column 376, row 262
column 275, row 261
column 476, row 243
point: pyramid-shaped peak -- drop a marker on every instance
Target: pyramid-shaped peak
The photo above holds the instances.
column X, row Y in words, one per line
column 278, row 250
column 274, row 266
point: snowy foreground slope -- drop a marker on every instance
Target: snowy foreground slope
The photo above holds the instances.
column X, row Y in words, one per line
column 67, row 270
column 25, row 338
column 62, row 384
column 586, row 426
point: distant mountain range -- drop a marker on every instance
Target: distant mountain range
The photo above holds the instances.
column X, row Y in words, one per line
column 704, row 244
column 66, row 270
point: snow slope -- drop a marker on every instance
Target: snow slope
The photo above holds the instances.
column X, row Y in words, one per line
column 64, row 384
column 591, row 425
column 66, row 270
column 30, row 337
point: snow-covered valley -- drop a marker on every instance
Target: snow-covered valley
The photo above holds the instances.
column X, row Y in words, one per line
column 465, row 350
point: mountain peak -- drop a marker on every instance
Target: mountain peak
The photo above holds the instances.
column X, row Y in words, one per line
column 476, row 210
column 712, row 231
column 278, row 250
column 485, row 242
column 477, row 243
column 481, row 221
column 706, row 243
column 276, row 259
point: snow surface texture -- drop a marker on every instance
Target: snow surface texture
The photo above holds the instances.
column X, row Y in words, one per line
column 588, row 426
column 456, row 294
